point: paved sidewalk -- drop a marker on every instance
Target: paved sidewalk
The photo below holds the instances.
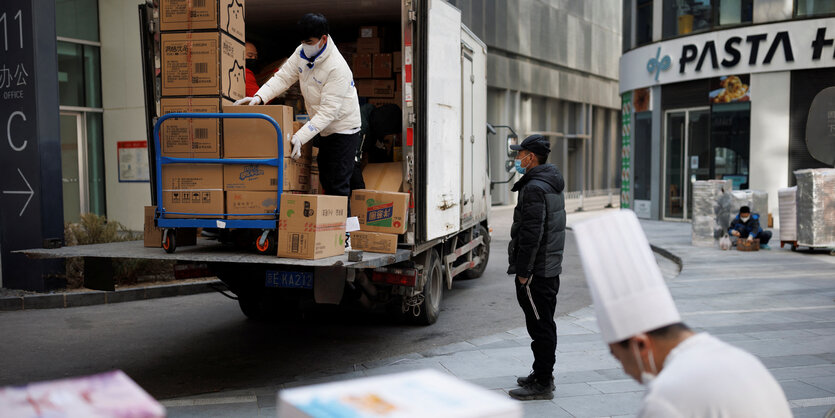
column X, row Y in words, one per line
column 776, row 304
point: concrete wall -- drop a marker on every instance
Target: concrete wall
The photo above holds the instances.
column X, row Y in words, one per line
column 124, row 108
column 770, row 135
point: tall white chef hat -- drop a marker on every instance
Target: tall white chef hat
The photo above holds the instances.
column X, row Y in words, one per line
column 627, row 288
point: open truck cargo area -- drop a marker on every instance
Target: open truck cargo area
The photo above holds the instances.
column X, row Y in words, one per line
column 429, row 67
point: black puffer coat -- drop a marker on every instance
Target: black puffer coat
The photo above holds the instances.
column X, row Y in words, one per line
column 537, row 236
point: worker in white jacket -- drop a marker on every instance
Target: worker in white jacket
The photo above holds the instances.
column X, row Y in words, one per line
column 686, row 374
column 327, row 85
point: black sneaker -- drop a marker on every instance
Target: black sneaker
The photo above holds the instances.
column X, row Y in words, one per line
column 529, row 380
column 534, row 391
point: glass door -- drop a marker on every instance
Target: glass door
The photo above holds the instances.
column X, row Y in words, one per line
column 674, row 145
column 73, row 162
column 687, row 158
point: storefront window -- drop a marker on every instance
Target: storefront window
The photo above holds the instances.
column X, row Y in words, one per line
column 686, row 16
column 643, row 156
column 730, row 140
column 77, row 19
column 643, row 22
column 79, row 75
column 733, row 12
column 815, row 7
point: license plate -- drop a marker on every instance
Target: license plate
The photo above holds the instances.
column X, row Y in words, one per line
column 289, row 279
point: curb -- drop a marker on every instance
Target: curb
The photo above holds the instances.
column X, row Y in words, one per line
column 76, row 299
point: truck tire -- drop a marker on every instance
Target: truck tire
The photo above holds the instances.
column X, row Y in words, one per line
column 482, row 251
column 433, row 291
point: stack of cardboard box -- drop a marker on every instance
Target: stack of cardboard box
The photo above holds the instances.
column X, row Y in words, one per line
column 381, row 210
column 202, row 46
column 376, row 73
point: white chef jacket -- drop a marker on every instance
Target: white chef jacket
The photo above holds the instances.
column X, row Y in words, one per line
column 328, row 89
column 705, row 377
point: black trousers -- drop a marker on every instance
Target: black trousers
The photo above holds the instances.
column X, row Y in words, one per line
column 538, row 299
column 336, row 162
column 764, row 236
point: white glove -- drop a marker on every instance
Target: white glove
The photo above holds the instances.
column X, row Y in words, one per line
column 297, row 147
column 252, row 101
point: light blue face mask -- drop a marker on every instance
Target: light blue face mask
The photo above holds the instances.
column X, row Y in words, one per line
column 519, row 169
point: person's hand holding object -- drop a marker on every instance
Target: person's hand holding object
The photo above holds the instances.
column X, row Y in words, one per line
column 252, row 101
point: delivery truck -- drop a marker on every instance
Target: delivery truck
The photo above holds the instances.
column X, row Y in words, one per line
column 442, row 165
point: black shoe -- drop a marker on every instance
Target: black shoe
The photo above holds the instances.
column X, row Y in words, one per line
column 529, row 380
column 534, row 391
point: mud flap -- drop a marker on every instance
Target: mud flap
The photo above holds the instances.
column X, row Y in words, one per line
column 329, row 284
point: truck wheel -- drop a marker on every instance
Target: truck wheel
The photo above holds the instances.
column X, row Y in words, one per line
column 483, row 252
column 433, row 291
column 169, row 244
column 252, row 306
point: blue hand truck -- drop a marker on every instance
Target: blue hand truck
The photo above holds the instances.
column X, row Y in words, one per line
column 266, row 241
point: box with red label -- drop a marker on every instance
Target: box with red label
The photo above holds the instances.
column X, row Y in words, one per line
column 380, row 211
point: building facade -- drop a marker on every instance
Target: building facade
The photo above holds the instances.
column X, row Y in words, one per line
column 721, row 89
column 552, row 69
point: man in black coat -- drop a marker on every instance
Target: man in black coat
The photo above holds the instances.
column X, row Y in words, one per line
column 537, row 238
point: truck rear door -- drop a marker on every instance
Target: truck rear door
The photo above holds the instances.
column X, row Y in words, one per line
column 443, row 116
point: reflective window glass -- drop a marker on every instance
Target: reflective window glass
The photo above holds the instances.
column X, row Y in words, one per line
column 77, row 19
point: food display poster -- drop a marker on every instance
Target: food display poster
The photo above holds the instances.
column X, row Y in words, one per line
column 730, row 89
column 133, row 161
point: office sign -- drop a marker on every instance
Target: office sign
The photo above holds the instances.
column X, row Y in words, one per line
column 30, row 156
column 783, row 46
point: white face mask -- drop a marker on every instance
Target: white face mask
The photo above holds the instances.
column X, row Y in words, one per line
column 646, row 377
column 744, row 218
column 310, row 51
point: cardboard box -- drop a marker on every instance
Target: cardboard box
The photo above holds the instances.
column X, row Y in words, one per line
column 364, row 88
column 245, row 202
column 312, row 226
column 256, row 138
column 153, row 234
column 397, row 61
column 381, row 66
column 382, row 88
column 363, row 66
column 368, row 32
column 194, row 202
column 260, row 177
column 191, row 138
column 368, row 45
column 205, row 63
column 315, row 186
column 387, row 177
column 375, row 242
column 192, row 177
column 380, row 211
column 188, row 15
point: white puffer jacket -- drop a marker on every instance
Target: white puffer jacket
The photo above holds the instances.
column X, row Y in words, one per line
column 328, row 89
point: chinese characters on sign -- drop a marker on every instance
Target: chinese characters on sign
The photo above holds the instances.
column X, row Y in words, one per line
column 133, row 161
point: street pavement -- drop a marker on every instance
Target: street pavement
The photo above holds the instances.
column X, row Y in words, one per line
column 777, row 304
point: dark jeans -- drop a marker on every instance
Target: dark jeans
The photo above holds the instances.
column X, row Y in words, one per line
column 336, row 162
column 538, row 299
column 763, row 236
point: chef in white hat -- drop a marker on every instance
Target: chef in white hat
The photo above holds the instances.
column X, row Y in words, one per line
column 687, row 374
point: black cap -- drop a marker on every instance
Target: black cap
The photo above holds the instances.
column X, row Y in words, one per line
column 745, row 209
column 536, row 144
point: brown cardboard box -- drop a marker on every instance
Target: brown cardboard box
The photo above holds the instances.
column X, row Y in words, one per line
column 382, row 88
column 368, row 45
column 312, row 226
column 153, row 234
column 260, row 177
column 192, row 177
column 205, row 63
column 256, row 138
column 193, row 202
column 244, row 202
column 380, row 211
column 188, row 15
column 381, row 66
column 398, row 82
column 375, row 242
column 315, row 186
column 368, row 32
column 364, row 87
column 191, row 138
column 397, row 61
column 362, row 66
column 387, row 177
